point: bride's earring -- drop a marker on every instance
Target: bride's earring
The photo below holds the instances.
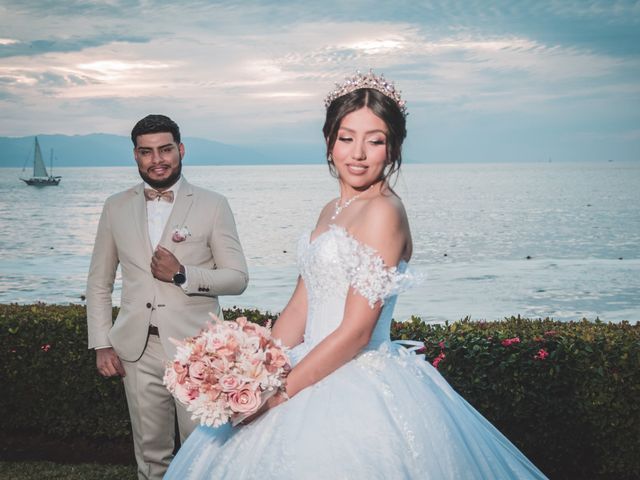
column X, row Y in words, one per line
column 332, row 166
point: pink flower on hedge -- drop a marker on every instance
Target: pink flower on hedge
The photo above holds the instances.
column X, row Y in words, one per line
column 507, row 342
column 541, row 355
column 438, row 359
column 441, row 345
column 550, row 333
column 45, row 347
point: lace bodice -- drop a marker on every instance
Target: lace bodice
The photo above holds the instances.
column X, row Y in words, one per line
column 335, row 261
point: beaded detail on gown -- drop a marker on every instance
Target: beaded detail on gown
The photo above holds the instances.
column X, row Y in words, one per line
column 386, row 414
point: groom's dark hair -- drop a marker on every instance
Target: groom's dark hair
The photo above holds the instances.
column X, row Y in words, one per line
column 155, row 124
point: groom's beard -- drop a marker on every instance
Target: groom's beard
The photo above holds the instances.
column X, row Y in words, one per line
column 167, row 182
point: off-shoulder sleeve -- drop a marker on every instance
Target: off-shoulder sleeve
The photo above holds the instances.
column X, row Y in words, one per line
column 369, row 275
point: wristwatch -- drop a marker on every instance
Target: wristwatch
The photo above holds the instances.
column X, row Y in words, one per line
column 179, row 277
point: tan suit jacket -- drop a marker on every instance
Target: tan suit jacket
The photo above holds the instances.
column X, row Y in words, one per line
column 212, row 255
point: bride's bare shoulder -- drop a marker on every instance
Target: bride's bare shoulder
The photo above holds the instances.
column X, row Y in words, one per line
column 383, row 225
column 383, row 213
column 326, row 212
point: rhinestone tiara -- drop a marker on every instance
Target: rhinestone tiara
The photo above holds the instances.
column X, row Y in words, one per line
column 368, row 80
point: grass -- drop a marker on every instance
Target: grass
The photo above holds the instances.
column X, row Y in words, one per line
column 50, row 471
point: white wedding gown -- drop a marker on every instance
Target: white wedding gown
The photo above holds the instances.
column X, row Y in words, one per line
column 386, row 414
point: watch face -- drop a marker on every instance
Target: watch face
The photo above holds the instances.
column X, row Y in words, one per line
column 179, row 278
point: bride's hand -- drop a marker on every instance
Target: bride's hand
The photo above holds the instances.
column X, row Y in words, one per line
column 272, row 402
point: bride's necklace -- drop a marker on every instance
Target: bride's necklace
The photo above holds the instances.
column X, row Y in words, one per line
column 340, row 208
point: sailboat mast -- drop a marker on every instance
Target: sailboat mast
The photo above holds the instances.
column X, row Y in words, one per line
column 51, row 163
column 35, row 158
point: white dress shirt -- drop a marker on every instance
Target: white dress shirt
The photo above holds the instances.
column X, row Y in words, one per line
column 158, row 212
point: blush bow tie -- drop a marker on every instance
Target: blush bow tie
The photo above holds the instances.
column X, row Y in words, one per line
column 150, row 194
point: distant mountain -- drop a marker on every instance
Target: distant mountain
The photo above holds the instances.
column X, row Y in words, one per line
column 101, row 149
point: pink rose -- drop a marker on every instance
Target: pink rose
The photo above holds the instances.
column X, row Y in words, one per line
column 186, row 392
column 197, row 371
column 229, row 383
column 214, row 343
column 245, row 400
column 252, row 328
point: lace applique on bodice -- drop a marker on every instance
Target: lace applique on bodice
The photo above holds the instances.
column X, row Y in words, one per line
column 335, row 261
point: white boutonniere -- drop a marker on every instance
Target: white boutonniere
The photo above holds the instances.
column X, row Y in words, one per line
column 180, row 234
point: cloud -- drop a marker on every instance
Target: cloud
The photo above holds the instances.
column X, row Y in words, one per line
column 611, row 10
column 257, row 71
column 38, row 47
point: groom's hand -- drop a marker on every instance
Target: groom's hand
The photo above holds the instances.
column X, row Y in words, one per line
column 164, row 264
column 108, row 362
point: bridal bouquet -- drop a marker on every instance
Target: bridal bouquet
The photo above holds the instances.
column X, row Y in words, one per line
column 227, row 371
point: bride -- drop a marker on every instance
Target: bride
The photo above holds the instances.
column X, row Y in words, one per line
column 357, row 406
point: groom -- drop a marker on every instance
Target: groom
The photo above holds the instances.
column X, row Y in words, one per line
column 178, row 250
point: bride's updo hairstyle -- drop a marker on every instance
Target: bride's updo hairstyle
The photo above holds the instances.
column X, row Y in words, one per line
column 387, row 106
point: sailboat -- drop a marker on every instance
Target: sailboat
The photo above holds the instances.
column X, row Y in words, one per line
column 40, row 176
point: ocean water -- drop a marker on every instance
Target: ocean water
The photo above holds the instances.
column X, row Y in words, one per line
column 490, row 240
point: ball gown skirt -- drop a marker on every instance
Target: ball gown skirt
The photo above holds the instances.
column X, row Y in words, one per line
column 386, row 414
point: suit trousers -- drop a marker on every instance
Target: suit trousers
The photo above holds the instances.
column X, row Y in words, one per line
column 153, row 410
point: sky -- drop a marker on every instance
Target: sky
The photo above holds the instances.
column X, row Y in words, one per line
column 483, row 80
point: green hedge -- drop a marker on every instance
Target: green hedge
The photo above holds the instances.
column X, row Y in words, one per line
column 567, row 393
column 49, row 380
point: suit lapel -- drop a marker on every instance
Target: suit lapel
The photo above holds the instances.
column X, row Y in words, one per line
column 181, row 207
column 139, row 217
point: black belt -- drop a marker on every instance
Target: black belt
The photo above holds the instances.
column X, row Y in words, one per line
column 153, row 330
